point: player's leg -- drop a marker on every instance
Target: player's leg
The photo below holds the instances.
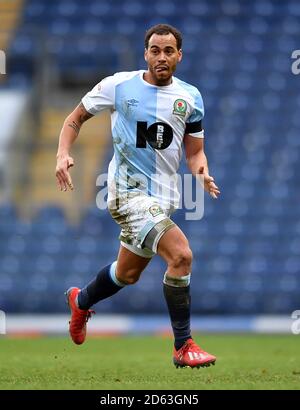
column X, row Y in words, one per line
column 174, row 248
column 130, row 266
column 110, row 280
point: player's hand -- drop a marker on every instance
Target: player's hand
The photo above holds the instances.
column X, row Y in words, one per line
column 209, row 184
column 64, row 180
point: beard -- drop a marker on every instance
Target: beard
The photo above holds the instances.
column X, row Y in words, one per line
column 162, row 77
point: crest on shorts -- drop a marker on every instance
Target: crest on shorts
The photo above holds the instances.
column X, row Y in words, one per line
column 155, row 210
column 180, row 107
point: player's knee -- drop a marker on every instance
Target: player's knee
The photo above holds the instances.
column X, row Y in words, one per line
column 129, row 278
column 182, row 258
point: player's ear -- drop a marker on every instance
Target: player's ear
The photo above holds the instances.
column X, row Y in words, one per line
column 179, row 55
column 146, row 55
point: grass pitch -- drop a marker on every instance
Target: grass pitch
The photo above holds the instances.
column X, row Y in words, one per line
column 243, row 362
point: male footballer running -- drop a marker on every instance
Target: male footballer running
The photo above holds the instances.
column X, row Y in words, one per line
column 153, row 116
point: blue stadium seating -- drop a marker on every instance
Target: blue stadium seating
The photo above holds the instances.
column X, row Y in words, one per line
column 246, row 248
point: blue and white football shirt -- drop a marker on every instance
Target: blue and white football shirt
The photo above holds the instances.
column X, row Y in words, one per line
column 148, row 125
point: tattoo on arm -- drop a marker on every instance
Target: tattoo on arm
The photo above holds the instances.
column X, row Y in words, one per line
column 80, row 118
column 75, row 127
column 84, row 114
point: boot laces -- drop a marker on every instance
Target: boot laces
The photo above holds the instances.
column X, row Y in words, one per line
column 82, row 315
column 190, row 344
column 89, row 315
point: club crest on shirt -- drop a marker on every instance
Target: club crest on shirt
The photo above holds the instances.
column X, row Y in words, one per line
column 180, row 107
column 155, row 210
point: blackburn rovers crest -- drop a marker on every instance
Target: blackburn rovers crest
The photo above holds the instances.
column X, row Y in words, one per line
column 180, row 107
column 155, row 210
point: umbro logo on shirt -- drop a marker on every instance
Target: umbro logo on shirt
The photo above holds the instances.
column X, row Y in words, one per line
column 132, row 102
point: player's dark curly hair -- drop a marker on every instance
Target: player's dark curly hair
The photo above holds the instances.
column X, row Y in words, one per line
column 162, row 29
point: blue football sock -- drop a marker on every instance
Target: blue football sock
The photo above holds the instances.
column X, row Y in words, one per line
column 103, row 286
column 178, row 300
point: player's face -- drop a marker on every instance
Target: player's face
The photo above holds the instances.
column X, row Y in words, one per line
column 162, row 57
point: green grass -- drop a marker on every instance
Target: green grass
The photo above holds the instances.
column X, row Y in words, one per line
column 243, row 362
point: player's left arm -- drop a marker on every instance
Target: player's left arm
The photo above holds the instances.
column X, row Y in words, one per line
column 197, row 163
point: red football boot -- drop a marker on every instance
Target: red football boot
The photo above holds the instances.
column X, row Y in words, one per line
column 190, row 354
column 79, row 317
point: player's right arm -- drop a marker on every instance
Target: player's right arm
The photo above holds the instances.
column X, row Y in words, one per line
column 101, row 97
column 68, row 135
